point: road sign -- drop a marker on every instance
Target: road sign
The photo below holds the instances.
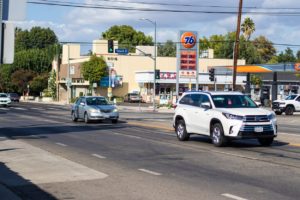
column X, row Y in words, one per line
column 121, row 51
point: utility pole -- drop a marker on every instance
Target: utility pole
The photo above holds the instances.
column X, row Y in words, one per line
column 237, row 44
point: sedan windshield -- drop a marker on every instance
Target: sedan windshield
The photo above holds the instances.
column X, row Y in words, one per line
column 291, row 97
column 3, row 95
column 96, row 101
column 233, row 101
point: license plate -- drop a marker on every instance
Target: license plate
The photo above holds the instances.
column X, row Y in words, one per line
column 258, row 129
column 106, row 116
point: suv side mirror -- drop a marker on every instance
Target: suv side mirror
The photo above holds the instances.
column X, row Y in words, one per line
column 82, row 103
column 206, row 105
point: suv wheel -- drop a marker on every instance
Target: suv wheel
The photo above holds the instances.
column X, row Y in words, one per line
column 278, row 112
column 181, row 132
column 289, row 110
column 217, row 135
column 74, row 118
column 265, row 141
column 86, row 118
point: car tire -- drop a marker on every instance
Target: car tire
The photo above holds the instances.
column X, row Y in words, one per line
column 278, row 112
column 86, row 118
column 265, row 141
column 289, row 110
column 181, row 132
column 114, row 121
column 217, row 135
column 74, row 118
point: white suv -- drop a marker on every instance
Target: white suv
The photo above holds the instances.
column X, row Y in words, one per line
column 223, row 116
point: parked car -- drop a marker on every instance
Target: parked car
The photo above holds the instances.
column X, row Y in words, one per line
column 14, row 97
column 223, row 116
column 94, row 108
column 132, row 97
column 4, row 100
column 289, row 105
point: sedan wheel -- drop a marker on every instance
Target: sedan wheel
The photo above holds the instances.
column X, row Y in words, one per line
column 74, row 118
column 86, row 118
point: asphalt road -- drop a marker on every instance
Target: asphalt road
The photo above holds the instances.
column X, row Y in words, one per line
column 138, row 158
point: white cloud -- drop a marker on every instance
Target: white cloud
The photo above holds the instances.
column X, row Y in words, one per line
column 88, row 24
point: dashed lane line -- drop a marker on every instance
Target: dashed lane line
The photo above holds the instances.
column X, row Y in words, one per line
column 61, row 144
column 150, row 172
column 231, row 196
column 98, row 156
column 131, row 136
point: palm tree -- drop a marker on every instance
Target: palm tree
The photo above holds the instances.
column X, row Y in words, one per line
column 248, row 27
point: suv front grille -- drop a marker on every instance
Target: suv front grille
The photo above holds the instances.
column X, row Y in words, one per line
column 275, row 105
column 256, row 118
column 251, row 128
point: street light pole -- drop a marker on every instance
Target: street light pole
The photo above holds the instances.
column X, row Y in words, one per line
column 155, row 56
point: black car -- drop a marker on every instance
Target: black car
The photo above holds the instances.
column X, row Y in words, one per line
column 14, row 97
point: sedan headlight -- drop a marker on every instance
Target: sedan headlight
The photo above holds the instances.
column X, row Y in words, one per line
column 234, row 117
column 94, row 111
column 271, row 116
column 116, row 110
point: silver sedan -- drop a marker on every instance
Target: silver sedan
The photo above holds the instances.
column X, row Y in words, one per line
column 94, row 108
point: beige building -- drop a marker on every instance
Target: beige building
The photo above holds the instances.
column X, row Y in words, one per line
column 135, row 73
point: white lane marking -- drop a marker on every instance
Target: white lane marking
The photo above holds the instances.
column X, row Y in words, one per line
column 149, row 172
column 36, row 108
column 16, row 108
column 61, row 144
column 98, row 156
column 131, row 136
column 3, row 138
column 3, row 108
column 231, row 196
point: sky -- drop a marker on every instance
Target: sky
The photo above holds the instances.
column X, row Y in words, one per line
column 85, row 24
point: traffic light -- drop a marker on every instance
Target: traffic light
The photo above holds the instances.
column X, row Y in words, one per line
column 110, row 46
column 157, row 74
column 212, row 74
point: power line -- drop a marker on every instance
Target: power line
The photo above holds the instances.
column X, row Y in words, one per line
column 97, row 6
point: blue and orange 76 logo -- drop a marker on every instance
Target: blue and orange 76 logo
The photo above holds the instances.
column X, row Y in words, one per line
column 188, row 40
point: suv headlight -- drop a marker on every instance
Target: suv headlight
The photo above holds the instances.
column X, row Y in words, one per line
column 115, row 110
column 271, row 116
column 234, row 117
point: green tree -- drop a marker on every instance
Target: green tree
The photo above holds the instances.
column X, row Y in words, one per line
column 273, row 60
column 38, row 84
column 248, row 27
column 5, row 78
column 127, row 37
column 21, row 79
column 52, row 84
column 36, row 38
column 298, row 56
column 287, row 56
column 265, row 48
column 94, row 69
column 167, row 49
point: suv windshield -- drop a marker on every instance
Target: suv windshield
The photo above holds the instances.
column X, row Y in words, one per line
column 291, row 97
column 96, row 101
column 233, row 101
column 3, row 95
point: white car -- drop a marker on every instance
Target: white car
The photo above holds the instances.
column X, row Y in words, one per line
column 289, row 105
column 4, row 100
column 223, row 116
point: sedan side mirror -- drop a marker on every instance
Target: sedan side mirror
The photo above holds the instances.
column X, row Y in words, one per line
column 206, row 105
column 82, row 103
